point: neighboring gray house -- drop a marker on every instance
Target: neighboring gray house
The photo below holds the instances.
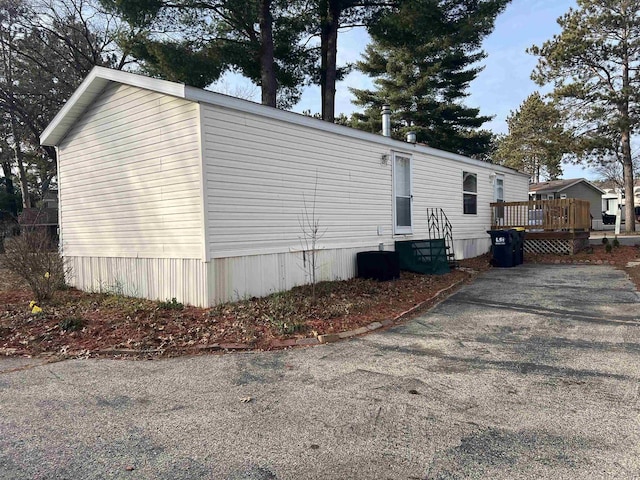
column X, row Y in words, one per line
column 171, row 191
column 571, row 188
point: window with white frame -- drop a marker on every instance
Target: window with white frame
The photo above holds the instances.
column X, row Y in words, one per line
column 470, row 193
column 402, row 194
column 498, row 195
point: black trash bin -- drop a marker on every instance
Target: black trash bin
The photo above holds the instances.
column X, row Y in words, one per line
column 503, row 243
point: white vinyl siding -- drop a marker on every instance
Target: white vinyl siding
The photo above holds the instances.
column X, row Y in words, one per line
column 130, row 178
column 258, row 171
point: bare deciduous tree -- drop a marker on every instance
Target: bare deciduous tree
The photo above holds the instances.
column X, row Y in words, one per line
column 311, row 233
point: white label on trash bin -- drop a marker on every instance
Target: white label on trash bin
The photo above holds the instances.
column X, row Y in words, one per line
column 501, row 241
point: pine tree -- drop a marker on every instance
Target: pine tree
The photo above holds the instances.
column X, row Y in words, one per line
column 594, row 66
column 195, row 42
column 536, row 141
column 423, row 57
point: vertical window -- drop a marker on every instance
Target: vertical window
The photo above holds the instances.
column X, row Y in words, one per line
column 402, row 194
column 470, row 193
column 499, row 189
column 498, row 195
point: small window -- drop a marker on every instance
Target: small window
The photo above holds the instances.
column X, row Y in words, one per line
column 498, row 195
column 563, row 196
column 499, row 189
column 470, row 193
column 402, row 194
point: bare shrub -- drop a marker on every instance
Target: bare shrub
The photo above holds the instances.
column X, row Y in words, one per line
column 311, row 233
column 31, row 257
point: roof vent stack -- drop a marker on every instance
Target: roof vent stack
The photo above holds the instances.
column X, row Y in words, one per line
column 386, row 120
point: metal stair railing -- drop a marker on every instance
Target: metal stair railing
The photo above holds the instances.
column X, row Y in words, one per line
column 440, row 228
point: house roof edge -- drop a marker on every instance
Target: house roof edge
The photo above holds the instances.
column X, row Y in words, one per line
column 91, row 87
column 99, row 77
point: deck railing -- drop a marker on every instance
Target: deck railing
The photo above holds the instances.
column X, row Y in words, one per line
column 567, row 215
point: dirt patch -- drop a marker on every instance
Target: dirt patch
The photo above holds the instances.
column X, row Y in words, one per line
column 83, row 324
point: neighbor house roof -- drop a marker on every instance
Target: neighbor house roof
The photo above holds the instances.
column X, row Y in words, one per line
column 99, row 78
column 611, row 185
column 554, row 186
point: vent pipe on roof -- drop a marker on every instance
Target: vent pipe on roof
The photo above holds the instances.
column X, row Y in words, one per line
column 386, row 120
column 411, row 137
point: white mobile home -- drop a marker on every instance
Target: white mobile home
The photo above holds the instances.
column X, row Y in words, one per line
column 171, row 191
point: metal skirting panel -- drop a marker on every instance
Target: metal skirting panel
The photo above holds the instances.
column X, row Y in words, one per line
column 237, row 278
column 471, row 247
column 152, row 278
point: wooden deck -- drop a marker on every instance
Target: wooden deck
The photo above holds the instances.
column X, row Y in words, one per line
column 562, row 215
column 552, row 226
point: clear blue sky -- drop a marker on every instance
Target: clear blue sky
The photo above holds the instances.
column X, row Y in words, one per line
column 503, row 84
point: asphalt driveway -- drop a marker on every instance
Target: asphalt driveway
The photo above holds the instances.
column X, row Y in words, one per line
column 531, row 372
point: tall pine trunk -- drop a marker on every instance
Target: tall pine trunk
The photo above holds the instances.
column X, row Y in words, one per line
column 267, row 67
column 627, row 169
column 625, row 138
column 330, row 21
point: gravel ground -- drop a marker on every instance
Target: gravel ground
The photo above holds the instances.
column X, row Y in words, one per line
column 531, row 372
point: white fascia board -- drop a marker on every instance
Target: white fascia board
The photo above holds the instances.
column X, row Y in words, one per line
column 90, row 89
column 225, row 101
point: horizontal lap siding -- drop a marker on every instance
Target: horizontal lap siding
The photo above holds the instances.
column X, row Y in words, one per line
column 438, row 184
column 130, row 178
column 260, row 171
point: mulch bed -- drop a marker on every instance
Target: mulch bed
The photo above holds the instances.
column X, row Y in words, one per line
column 77, row 324
column 114, row 325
